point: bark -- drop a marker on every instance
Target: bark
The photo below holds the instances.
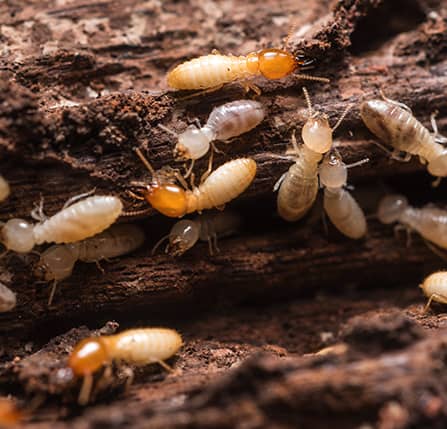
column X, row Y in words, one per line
column 82, row 85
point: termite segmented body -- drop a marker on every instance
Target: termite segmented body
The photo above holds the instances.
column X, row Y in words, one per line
column 208, row 227
column 220, row 187
column 298, row 187
column 216, row 70
column 8, row 299
column 138, row 347
column 394, row 124
column 4, row 188
column 435, row 288
column 57, row 262
column 76, row 222
column 430, row 222
column 341, row 208
column 225, row 122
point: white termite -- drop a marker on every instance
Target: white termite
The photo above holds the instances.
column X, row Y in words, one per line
column 57, row 262
column 394, row 124
column 8, row 299
column 74, row 222
column 435, row 288
column 298, row 187
column 341, row 208
column 138, row 347
column 430, row 222
column 4, row 188
column 225, row 122
column 207, row 227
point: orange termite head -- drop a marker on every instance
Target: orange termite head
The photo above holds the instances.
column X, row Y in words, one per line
column 167, row 198
column 276, row 63
column 9, row 414
column 88, row 356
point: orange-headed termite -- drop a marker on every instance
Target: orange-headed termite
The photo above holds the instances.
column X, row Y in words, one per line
column 207, row 227
column 4, row 188
column 394, row 124
column 298, row 187
column 74, row 222
column 10, row 415
column 223, row 185
column 215, row 70
column 137, row 347
column 341, row 208
column 57, row 262
column 430, row 222
column 435, row 288
column 8, row 299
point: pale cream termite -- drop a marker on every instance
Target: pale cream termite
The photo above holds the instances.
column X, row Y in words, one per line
column 137, row 347
column 207, row 227
column 8, row 299
column 435, row 288
column 215, row 70
column 298, row 187
column 430, row 222
column 225, row 122
column 57, row 262
column 4, row 188
column 394, row 124
column 223, row 185
column 341, row 208
column 74, row 222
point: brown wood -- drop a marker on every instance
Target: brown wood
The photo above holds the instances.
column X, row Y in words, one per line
column 82, row 85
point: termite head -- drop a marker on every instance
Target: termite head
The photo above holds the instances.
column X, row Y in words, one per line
column 374, row 114
column 438, row 166
column 333, row 172
column 391, row 208
column 17, row 235
column 88, row 356
column 55, row 263
column 167, row 198
column 193, row 143
column 275, row 63
column 317, row 133
column 184, row 235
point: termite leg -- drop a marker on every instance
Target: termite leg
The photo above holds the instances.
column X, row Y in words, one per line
column 181, row 179
column 37, row 213
column 52, row 292
column 158, row 244
column 164, row 365
column 144, row 160
column 86, row 389
column 130, row 376
column 216, row 247
column 250, row 86
column 439, row 138
column 72, row 200
column 279, row 182
column 135, row 196
column 324, row 221
column 202, row 92
column 396, row 155
column 436, row 182
column 434, row 296
column 209, row 169
column 436, row 250
column 210, row 246
column 396, row 103
column 189, row 170
column 98, row 265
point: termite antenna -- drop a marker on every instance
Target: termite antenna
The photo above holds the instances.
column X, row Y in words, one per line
column 397, row 103
column 158, row 243
column 438, row 137
column 52, row 292
column 168, row 130
column 314, row 78
column 145, row 161
column 308, row 102
column 138, row 212
column 342, row 116
column 356, row 164
column 290, row 33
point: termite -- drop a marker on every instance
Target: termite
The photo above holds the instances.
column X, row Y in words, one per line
column 137, row 347
column 225, row 122
column 10, row 415
column 393, row 123
column 435, row 288
column 298, row 187
column 223, row 185
column 215, row 70
column 208, row 227
column 430, row 222
column 57, row 262
column 74, row 222
column 8, row 299
column 4, row 188
column 341, row 208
